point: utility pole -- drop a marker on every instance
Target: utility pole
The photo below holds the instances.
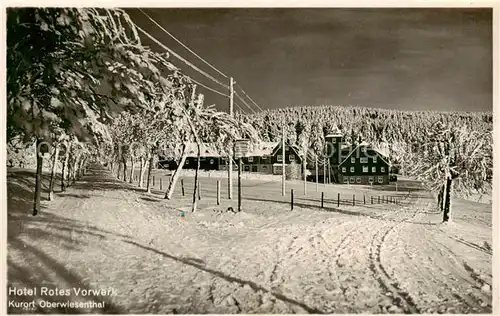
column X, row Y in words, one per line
column 283, row 177
column 304, row 169
column 317, row 171
column 239, row 184
column 230, row 162
column 329, row 171
column 324, row 172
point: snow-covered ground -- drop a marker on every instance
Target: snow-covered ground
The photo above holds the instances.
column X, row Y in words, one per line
column 391, row 258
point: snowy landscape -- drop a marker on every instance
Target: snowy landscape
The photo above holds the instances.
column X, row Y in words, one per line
column 143, row 181
column 103, row 233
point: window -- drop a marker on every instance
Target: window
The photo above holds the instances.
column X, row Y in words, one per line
column 352, row 169
column 343, row 169
column 264, row 167
column 280, row 158
column 212, row 161
column 363, row 149
column 353, row 159
column 358, row 180
column 187, row 162
column 374, row 159
column 334, row 140
column 374, row 169
column 250, row 159
column 380, row 179
column 363, row 160
column 291, row 157
column 370, row 179
column 365, row 168
column 346, row 180
column 264, row 157
column 382, row 169
column 352, row 179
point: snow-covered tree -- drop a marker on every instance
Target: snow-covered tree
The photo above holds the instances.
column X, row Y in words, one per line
column 454, row 158
column 58, row 60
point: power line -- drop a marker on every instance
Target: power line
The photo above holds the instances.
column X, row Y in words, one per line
column 179, row 57
column 178, row 41
column 197, row 69
column 239, row 107
column 208, row 88
column 248, row 106
column 249, row 98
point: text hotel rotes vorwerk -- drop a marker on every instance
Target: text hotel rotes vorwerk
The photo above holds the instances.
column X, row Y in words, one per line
column 53, row 298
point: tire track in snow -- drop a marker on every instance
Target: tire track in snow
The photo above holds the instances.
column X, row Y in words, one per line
column 387, row 283
column 278, row 265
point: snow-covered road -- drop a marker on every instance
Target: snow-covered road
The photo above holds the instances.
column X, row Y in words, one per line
column 103, row 234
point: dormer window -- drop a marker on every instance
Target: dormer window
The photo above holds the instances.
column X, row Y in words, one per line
column 353, row 159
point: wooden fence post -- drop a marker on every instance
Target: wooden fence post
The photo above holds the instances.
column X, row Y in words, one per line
column 379, row 199
column 153, row 180
column 322, row 198
column 161, row 185
column 218, row 192
column 182, row 186
column 354, row 200
column 364, row 198
column 372, row 199
column 338, row 199
column 291, row 197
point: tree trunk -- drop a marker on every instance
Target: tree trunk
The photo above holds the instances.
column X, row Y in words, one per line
column 177, row 172
column 53, row 173
column 84, row 166
column 142, row 170
column 124, row 170
column 150, row 168
column 447, row 201
column 119, row 169
column 75, row 169
column 70, row 170
column 195, row 200
column 38, row 179
column 132, row 170
column 440, row 198
column 65, row 168
column 79, row 167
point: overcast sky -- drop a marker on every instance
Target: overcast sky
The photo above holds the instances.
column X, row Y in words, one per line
column 409, row 59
